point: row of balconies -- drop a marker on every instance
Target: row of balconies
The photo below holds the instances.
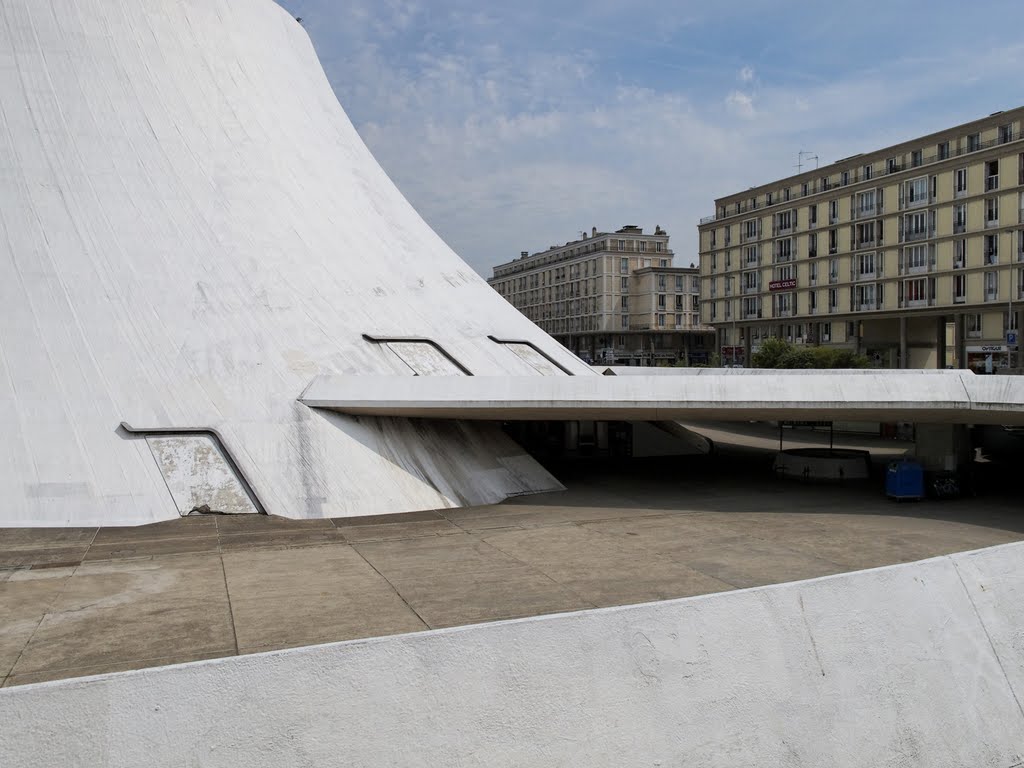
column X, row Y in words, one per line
column 854, row 176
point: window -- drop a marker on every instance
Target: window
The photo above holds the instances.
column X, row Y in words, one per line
column 624, row 284
column 916, row 158
column 959, row 288
column 916, row 191
column 833, row 270
column 864, row 234
column 785, row 194
column 915, row 226
column 803, row 189
column 867, row 297
column 664, row 262
column 660, row 246
column 845, row 178
column 944, row 150
column 959, row 218
column 661, row 280
column 812, row 214
column 812, row 245
column 959, row 254
column 833, row 299
column 1005, row 133
column 751, row 229
column 812, row 301
column 624, row 322
column 679, row 321
column 661, row 301
column 892, row 165
column 833, row 211
column 972, row 324
column 768, row 198
column 625, row 303
column 866, row 203
column 642, row 246
column 812, row 273
column 915, row 258
column 784, row 250
column 915, row 292
column 991, row 249
column 752, row 307
column 622, row 243
column 783, row 221
column 661, row 321
column 678, row 303
column 960, row 182
column 783, row 304
column 868, row 172
column 974, row 142
column 787, row 272
column 751, row 281
column 991, row 286
column 864, row 264
column 624, row 264
column 991, row 211
column 1010, row 321
column 833, row 241
column 991, row 175
column 679, row 284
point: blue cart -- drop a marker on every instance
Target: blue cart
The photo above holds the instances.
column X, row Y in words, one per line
column 904, row 480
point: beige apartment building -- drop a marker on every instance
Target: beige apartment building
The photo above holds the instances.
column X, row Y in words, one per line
column 913, row 254
column 612, row 297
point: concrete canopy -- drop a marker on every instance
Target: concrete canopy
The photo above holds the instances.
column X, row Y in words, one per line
column 191, row 230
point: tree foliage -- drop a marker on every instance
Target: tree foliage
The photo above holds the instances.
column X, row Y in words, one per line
column 778, row 353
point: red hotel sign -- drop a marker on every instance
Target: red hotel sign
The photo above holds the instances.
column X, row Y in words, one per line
column 782, row 285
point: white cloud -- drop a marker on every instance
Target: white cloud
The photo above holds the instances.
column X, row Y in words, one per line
column 740, row 104
column 506, row 140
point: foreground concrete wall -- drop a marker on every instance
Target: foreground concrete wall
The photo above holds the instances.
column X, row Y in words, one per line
column 915, row 665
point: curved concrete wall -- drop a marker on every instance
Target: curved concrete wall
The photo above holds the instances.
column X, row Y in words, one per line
column 191, row 230
column 914, row 665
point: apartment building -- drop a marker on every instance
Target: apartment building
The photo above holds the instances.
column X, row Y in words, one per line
column 890, row 252
column 612, row 297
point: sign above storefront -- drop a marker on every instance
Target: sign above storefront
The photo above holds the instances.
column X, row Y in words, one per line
column 985, row 348
column 782, row 285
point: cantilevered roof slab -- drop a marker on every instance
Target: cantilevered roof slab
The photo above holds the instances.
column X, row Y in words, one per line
column 955, row 397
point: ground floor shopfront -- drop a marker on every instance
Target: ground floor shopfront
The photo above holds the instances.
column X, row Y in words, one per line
column 983, row 339
column 644, row 348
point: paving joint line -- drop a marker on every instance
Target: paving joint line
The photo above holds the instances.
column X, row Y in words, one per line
column 393, row 587
column 46, row 611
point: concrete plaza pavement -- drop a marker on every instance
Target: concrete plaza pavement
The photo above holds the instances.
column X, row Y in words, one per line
column 85, row 601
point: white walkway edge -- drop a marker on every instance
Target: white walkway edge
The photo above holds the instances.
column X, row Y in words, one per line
column 947, row 397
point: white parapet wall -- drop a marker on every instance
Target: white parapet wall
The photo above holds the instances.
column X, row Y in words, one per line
column 912, row 665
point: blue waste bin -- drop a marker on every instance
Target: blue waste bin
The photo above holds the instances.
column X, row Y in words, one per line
column 904, row 480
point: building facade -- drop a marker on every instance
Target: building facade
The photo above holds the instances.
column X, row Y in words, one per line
column 612, row 297
column 912, row 254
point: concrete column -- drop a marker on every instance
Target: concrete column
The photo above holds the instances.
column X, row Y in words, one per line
column 719, row 334
column 960, row 340
column 940, row 342
column 1020, row 344
column 904, row 363
column 746, row 346
column 686, row 348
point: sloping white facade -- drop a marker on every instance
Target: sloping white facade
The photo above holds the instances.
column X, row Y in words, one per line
column 191, row 230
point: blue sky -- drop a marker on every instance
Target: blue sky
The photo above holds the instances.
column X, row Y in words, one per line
column 513, row 126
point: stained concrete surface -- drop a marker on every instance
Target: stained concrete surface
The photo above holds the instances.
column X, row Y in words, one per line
column 85, row 601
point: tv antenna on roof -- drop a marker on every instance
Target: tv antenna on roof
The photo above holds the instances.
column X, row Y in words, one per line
column 801, row 155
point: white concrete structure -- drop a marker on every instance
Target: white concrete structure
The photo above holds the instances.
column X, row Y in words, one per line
column 190, row 231
column 910, row 665
column 949, row 397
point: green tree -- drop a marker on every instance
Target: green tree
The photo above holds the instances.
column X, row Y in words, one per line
column 778, row 353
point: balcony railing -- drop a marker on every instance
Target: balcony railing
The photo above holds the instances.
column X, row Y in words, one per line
column 910, row 236
column 959, row 227
column 751, row 289
column 868, row 211
column 915, row 303
column 991, row 183
column 959, row 298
